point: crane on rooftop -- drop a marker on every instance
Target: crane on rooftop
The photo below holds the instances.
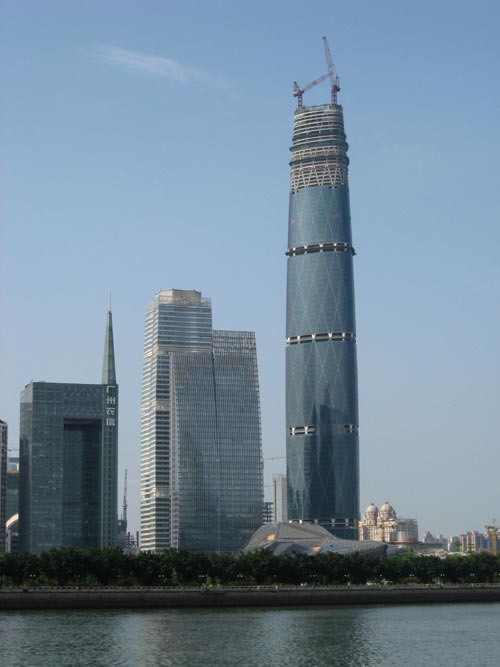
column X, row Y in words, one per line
column 298, row 92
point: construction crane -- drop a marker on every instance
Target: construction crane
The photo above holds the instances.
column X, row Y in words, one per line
column 125, row 507
column 273, row 458
column 334, row 79
column 493, row 532
column 298, row 92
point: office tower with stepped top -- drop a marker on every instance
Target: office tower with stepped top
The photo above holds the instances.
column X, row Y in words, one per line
column 69, row 461
column 321, row 370
column 201, row 455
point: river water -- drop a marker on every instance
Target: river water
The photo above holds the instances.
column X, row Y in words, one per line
column 451, row 635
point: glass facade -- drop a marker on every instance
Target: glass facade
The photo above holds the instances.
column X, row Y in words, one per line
column 3, row 482
column 321, row 372
column 201, row 480
column 64, row 491
column 68, row 468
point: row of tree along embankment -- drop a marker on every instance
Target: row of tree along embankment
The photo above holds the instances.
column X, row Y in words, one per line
column 100, row 568
column 255, row 596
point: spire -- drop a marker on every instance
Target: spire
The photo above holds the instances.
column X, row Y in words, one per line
column 108, row 366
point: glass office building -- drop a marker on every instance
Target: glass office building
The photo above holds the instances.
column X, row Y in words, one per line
column 201, row 465
column 3, row 482
column 321, row 373
column 69, row 461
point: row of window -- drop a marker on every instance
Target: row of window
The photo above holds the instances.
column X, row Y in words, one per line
column 310, row 248
column 311, row 430
column 319, row 337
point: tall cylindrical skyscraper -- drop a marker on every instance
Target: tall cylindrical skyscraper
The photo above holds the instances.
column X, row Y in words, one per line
column 321, row 371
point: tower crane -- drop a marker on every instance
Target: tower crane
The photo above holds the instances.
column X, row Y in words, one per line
column 298, row 92
column 334, row 79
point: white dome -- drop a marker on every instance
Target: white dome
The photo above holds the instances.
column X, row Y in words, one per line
column 387, row 511
column 371, row 514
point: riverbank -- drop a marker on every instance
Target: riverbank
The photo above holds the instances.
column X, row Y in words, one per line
column 256, row 596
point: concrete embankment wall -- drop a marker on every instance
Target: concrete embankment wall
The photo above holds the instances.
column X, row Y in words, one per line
column 142, row 598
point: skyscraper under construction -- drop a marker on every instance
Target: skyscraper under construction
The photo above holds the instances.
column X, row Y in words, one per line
column 321, row 370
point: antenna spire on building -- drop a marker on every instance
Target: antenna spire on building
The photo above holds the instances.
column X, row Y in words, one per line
column 108, row 366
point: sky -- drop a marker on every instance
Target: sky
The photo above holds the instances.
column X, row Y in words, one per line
column 145, row 145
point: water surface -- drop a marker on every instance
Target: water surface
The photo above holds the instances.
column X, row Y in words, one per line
column 446, row 635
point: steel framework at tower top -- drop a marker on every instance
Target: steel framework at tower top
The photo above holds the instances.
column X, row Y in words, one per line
column 298, row 92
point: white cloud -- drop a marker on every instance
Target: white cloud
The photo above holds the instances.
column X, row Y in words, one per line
column 145, row 64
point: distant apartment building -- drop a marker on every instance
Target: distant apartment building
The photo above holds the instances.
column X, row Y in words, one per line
column 437, row 541
column 68, row 461
column 280, row 498
column 3, row 482
column 472, row 542
column 383, row 525
column 201, row 455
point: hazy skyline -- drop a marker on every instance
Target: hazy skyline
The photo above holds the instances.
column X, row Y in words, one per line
column 145, row 146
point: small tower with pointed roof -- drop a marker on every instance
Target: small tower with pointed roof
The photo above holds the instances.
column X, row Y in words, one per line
column 109, row 458
column 108, row 364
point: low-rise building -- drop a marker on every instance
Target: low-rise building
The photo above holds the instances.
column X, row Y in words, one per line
column 383, row 525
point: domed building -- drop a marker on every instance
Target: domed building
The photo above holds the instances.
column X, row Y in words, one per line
column 387, row 513
column 383, row 525
column 371, row 515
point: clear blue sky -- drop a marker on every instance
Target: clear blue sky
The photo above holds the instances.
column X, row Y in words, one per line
column 145, row 146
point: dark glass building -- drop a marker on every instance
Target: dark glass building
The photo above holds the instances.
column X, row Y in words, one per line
column 3, row 483
column 68, row 461
column 201, row 466
column 321, row 374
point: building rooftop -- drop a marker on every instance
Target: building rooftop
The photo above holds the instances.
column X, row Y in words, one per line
column 290, row 538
